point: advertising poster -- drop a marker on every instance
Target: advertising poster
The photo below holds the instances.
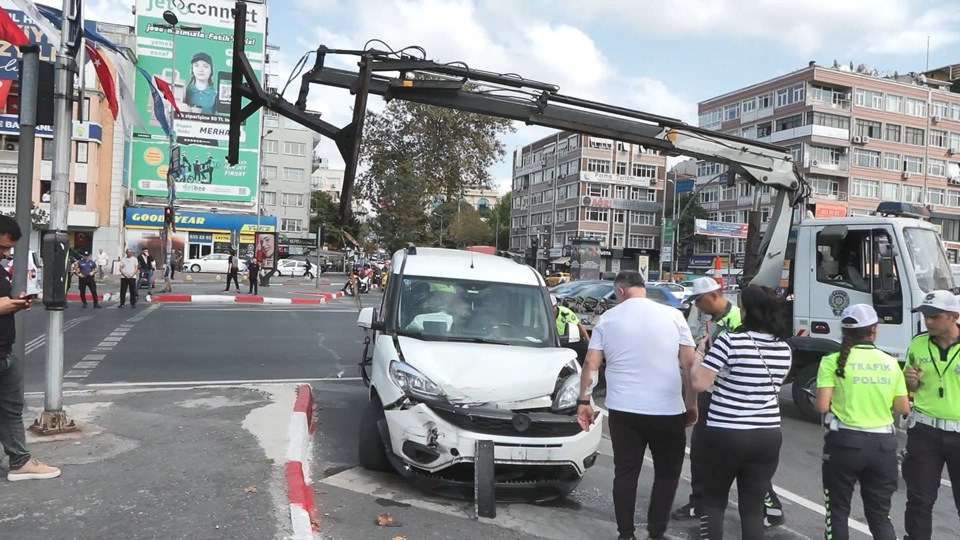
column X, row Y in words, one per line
column 266, row 249
column 195, row 58
column 585, row 259
column 720, row 229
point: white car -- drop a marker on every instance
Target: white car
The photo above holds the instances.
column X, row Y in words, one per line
column 214, row 263
column 679, row 291
column 466, row 350
column 291, row 267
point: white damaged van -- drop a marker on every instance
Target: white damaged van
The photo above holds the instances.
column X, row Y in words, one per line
column 464, row 348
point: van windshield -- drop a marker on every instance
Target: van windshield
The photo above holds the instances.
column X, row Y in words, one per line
column 929, row 260
column 438, row 309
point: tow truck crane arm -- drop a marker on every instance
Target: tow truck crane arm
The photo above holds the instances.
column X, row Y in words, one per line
column 395, row 75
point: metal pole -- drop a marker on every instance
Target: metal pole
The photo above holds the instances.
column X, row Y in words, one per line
column 59, row 206
column 171, row 195
column 663, row 217
column 29, row 77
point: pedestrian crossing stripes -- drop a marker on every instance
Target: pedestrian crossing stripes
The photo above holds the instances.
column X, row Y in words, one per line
column 40, row 341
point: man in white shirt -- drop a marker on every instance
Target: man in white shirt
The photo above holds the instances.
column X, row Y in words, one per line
column 129, row 267
column 102, row 261
column 649, row 352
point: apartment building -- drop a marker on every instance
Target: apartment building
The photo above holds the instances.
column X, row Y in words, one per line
column 858, row 136
column 327, row 180
column 569, row 186
column 287, row 167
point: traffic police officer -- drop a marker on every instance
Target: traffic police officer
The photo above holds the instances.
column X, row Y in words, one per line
column 565, row 315
column 856, row 388
column 87, row 270
column 933, row 437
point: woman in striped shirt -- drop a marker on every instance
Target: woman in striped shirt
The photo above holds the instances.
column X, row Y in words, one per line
column 747, row 369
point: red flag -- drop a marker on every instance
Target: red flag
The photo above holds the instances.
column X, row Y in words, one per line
column 166, row 91
column 10, row 32
column 105, row 77
column 5, row 86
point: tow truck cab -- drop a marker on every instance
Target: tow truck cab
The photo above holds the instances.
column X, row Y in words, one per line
column 890, row 260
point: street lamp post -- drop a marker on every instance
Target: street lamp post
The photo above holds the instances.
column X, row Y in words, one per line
column 663, row 217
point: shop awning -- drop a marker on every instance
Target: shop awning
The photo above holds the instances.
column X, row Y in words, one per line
column 561, row 260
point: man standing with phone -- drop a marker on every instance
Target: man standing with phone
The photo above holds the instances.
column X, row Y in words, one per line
column 12, row 434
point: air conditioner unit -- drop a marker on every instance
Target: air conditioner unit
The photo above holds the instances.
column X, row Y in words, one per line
column 865, row 139
column 906, row 175
column 951, row 151
column 936, row 118
column 814, row 163
column 857, row 139
column 11, row 146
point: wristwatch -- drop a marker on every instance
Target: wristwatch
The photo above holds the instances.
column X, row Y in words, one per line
column 583, row 402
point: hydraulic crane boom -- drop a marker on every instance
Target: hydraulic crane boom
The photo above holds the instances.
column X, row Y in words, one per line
column 394, row 75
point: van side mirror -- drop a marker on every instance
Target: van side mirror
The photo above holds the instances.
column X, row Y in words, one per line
column 573, row 333
column 368, row 319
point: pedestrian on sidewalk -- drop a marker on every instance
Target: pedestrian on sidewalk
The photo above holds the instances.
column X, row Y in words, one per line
column 253, row 269
column 307, row 272
column 233, row 271
column 933, row 435
column 651, row 401
column 860, row 444
column 129, row 268
column 13, row 438
column 147, row 265
column 747, row 367
column 102, row 261
column 87, row 270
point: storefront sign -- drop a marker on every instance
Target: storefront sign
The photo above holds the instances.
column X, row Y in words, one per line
column 830, row 209
column 721, row 229
column 86, row 131
column 197, row 64
column 608, row 178
column 152, row 218
column 626, row 204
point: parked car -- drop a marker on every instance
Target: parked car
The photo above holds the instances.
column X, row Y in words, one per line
column 678, row 290
column 217, row 263
column 291, row 267
column 603, row 290
column 466, row 350
column 557, row 278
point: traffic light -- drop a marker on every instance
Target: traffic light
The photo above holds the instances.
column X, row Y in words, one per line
column 731, row 179
column 168, row 217
column 55, row 249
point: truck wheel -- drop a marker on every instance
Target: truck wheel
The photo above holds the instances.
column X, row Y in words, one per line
column 804, row 391
column 372, row 452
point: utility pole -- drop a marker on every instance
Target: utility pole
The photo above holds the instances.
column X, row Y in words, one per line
column 29, row 85
column 54, row 419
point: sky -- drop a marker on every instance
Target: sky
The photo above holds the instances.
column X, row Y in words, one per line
column 662, row 57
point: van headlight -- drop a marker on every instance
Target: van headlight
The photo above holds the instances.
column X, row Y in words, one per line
column 413, row 383
column 568, row 393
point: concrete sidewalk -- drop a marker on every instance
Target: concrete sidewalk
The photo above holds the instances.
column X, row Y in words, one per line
column 201, row 463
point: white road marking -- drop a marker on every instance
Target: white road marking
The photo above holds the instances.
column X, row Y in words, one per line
column 221, row 383
column 40, row 341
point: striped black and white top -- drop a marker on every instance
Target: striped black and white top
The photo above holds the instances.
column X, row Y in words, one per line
column 746, row 394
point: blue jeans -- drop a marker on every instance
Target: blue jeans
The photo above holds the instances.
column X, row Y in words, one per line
column 13, row 438
column 148, row 275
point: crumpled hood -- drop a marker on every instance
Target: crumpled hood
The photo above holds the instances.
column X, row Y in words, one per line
column 477, row 373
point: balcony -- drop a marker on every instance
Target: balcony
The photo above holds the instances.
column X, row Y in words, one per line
column 826, row 167
column 748, row 199
column 714, row 205
column 840, row 106
column 828, row 195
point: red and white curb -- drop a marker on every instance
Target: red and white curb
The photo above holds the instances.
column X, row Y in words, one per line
column 299, row 493
column 220, row 299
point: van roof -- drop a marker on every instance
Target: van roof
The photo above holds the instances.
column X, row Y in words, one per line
column 459, row 264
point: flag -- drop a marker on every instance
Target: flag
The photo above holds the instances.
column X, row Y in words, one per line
column 166, row 91
column 106, row 78
column 158, row 110
column 128, row 106
column 5, row 86
column 9, row 31
column 52, row 32
column 77, row 30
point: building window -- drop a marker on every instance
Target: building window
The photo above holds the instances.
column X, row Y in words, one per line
column 293, row 199
column 869, row 99
column 271, row 119
column 561, row 216
column 940, row 108
column 731, row 112
column 825, row 155
column 790, row 122
column 574, row 142
column 915, row 107
column 640, row 241
column 601, row 144
column 617, row 240
column 824, row 187
column 749, row 105
column 292, row 174
column 79, row 193
column 598, row 190
column 621, row 167
column 913, row 136
column 709, row 195
column 619, row 216
column 953, row 198
column 643, row 218
column 866, row 158
column 83, row 149
column 291, row 225
column 290, row 124
column 913, row 164
column 892, row 161
column 790, row 95
column 954, row 142
column 86, row 109
column 912, row 194
column 597, row 214
column 867, row 189
column 46, row 149
column 763, row 130
column 894, row 103
column 749, row 132
column 893, row 133
column 269, row 172
column 935, row 196
column 937, row 167
column 270, row 146
column 270, row 197
column 938, row 138
column 620, row 192
column 711, row 118
column 598, row 165
column 891, row 191
column 867, row 128
column 644, row 171
column 830, row 120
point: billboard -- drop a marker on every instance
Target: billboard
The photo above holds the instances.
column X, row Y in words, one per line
column 195, row 58
column 585, row 259
column 720, row 228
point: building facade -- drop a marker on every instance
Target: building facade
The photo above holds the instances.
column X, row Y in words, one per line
column 286, row 174
column 857, row 136
column 327, row 180
column 570, row 186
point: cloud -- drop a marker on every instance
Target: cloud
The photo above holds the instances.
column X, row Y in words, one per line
column 316, row 7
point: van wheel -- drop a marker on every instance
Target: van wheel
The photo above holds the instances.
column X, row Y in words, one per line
column 195, row 268
column 805, row 390
column 372, row 453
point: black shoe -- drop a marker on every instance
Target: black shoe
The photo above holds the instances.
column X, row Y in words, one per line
column 120, row 306
column 686, row 511
column 132, row 306
column 84, row 306
column 631, row 537
column 770, row 522
column 97, row 306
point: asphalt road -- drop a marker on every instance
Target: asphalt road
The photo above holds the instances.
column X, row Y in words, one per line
column 183, row 345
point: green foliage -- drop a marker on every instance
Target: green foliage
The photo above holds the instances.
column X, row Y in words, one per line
column 401, row 217
column 324, row 211
column 500, row 222
column 467, row 229
column 686, row 236
column 39, row 218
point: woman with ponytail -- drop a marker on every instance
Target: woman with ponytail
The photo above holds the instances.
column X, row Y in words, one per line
column 856, row 388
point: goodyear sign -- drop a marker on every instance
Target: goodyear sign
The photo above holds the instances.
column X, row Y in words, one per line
column 152, row 218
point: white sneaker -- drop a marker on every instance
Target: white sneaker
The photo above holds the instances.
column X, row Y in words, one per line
column 33, row 470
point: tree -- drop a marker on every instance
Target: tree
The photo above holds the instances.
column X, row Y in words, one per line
column 468, row 229
column 500, row 222
column 39, row 218
column 402, row 216
column 325, row 212
column 442, row 218
column 686, row 237
column 445, row 150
